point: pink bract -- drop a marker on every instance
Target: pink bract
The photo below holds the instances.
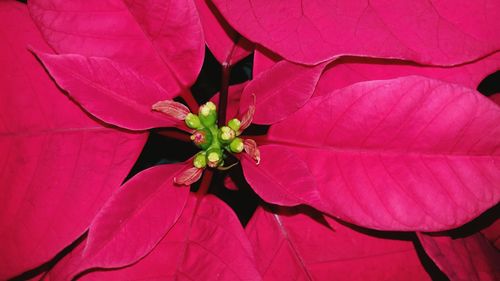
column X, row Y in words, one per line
column 53, row 155
column 364, row 112
column 403, row 154
column 291, row 244
column 438, row 33
column 144, row 37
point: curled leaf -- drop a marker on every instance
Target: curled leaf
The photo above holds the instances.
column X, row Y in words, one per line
column 172, row 109
column 252, row 150
column 248, row 113
column 188, row 176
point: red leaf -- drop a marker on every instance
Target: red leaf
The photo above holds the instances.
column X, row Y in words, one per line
column 263, row 60
column 111, row 92
column 442, row 33
column 132, row 221
column 281, row 177
column 220, row 37
column 492, row 233
column 466, row 259
column 347, row 71
column 53, row 155
column 404, row 154
column 280, row 91
column 208, row 245
column 495, row 98
column 293, row 246
column 160, row 39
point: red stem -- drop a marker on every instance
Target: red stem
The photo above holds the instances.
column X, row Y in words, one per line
column 187, row 96
column 206, row 179
column 174, row 134
column 224, row 88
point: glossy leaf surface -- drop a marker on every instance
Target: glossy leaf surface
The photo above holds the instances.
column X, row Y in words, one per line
column 208, row 245
column 110, row 91
column 463, row 259
column 53, row 155
column 280, row 91
column 294, row 246
column 403, row 154
column 430, row 32
column 160, row 39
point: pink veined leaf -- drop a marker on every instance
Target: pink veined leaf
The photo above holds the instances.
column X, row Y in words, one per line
column 347, row 71
column 429, row 32
column 208, row 245
column 281, row 177
column 404, row 154
column 280, row 91
column 233, row 100
column 110, row 91
column 132, row 221
column 263, row 60
column 295, row 246
column 160, row 39
column 220, row 37
column 53, row 155
column 463, row 259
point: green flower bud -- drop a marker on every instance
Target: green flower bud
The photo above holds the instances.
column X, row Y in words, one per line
column 208, row 114
column 202, row 138
column 237, row 145
column 226, row 134
column 234, row 124
column 200, row 160
column 192, row 121
column 214, row 157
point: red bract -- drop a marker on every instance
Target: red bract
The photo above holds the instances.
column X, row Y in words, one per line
column 318, row 248
column 405, row 154
column 58, row 166
column 440, row 33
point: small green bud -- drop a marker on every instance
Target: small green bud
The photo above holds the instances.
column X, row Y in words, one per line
column 234, row 124
column 200, row 161
column 192, row 121
column 208, row 114
column 226, row 134
column 202, row 138
column 237, row 145
column 214, row 157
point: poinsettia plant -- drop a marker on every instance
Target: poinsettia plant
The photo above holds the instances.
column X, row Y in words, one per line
column 359, row 141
